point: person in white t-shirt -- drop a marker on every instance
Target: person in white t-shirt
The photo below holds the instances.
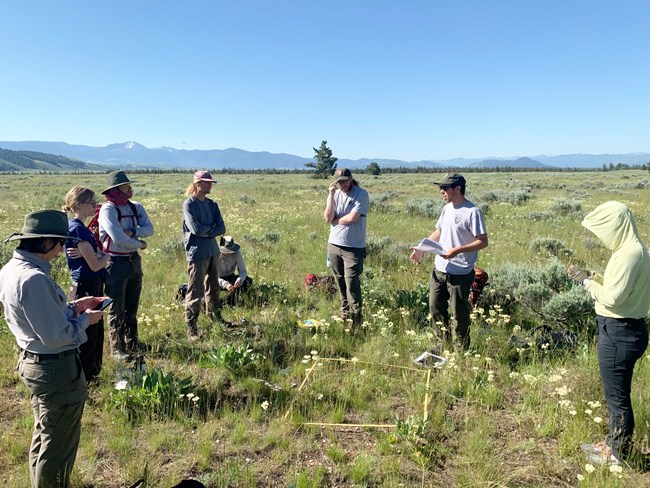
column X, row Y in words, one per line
column 461, row 231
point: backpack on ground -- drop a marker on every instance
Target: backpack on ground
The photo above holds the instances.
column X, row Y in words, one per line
column 480, row 279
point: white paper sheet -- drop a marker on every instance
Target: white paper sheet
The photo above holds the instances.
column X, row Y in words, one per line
column 427, row 245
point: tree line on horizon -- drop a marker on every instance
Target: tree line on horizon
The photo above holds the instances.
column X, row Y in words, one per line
column 323, row 166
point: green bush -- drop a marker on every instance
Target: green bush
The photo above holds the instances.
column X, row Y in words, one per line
column 563, row 206
column 247, row 200
column 538, row 216
column 235, row 359
column 550, row 246
column 533, row 296
column 572, row 309
column 424, row 208
column 173, row 247
column 533, row 286
column 153, row 395
column 514, row 197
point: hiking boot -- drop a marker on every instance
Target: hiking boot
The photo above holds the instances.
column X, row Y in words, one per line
column 221, row 322
column 593, row 448
column 600, row 453
column 603, row 459
column 140, row 347
column 193, row 333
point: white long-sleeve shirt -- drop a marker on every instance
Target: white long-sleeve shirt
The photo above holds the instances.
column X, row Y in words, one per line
column 113, row 224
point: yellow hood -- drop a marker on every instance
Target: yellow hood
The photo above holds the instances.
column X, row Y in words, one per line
column 613, row 223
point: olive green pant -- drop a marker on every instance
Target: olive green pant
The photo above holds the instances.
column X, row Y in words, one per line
column 58, row 394
column 451, row 291
column 347, row 266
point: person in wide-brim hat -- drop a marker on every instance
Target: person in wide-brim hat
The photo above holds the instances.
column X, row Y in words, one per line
column 227, row 245
column 43, row 223
column 233, row 275
column 115, row 179
column 48, row 331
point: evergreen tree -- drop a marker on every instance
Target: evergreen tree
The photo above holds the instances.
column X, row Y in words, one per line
column 325, row 163
column 373, row 169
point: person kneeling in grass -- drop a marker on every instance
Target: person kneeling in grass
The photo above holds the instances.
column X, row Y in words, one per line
column 231, row 260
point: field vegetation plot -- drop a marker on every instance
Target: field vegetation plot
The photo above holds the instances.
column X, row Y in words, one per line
column 291, row 397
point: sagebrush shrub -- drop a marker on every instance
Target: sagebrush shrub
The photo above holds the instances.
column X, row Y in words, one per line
column 563, row 206
column 173, row 247
column 514, row 197
column 538, row 216
column 536, row 290
column 424, row 208
column 550, row 246
column 572, row 309
column 248, row 200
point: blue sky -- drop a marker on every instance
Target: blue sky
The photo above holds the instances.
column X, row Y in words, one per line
column 410, row 80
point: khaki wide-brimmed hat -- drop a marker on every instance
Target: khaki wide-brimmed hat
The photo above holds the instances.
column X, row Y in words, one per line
column 227, row 245
column 44, row 223
column 115, row 179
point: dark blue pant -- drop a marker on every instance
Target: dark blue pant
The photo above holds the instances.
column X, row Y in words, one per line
column 91, row 352
column 621, row 342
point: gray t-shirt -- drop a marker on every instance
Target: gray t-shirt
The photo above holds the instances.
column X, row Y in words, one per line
column 459, row 226
column 350, row 235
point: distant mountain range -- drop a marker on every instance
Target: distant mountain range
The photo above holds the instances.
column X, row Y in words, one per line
column 37, row 161
column 133, row 155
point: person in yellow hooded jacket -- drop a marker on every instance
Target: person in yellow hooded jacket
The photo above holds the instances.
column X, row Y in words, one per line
column 622, row 303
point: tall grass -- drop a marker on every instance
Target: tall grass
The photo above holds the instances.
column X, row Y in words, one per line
column 257, row 409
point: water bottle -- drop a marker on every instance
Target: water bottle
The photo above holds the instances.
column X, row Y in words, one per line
column 327, row 260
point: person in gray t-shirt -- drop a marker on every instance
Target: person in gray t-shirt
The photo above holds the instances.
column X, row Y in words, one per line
column 460, row 230
column 202, row 222
column 346, row 210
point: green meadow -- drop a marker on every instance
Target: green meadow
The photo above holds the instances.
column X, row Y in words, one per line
column 292, row 397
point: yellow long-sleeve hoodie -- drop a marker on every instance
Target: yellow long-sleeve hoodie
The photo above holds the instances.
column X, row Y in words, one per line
column 624, row 291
